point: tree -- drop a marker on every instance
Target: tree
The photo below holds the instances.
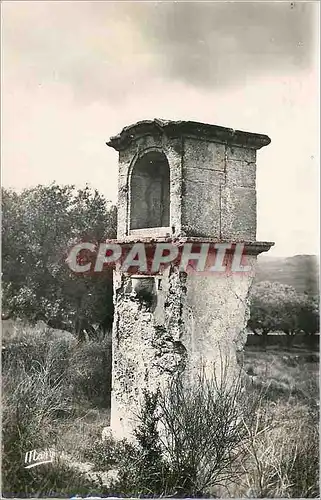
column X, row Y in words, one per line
column 39, row 226
column 275, row 306
column 309, row 318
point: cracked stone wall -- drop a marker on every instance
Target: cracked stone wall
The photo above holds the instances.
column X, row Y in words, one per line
column 174, row 324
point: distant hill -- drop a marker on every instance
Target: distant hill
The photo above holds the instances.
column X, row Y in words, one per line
column 300, row 271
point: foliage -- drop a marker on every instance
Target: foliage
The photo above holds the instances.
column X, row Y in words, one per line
column 54, row 480
column 142, row 470
column 202, row 430
column 309, row 316
column 90, row 373
column 33, row 401
column 84, row 369
column 150, row 467
column 46, row 379
column 39, row 226
column 300, row 271
column 192, row 439
column 187, row 439
column 278, row 307
column 106, row 454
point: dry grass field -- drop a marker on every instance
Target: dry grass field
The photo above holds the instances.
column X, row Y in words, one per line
column 56, row 392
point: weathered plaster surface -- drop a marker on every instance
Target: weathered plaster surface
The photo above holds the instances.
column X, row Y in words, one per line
column 190, row 322
column 147, row 347
column 215, row 315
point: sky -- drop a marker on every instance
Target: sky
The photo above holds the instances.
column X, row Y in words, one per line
column 75, row 73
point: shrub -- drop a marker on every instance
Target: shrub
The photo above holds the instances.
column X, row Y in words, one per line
column 44, row 376
column 202, row 431
column 187, row 439
column 85, row 368
column 108, row 454
column 150, row 472
column 140, row 465
column 53, row 480
column 29, row 346
column 194, row 438
column 32, row 406
column 90, row 373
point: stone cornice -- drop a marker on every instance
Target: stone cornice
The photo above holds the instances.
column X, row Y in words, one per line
column 176, row 129
column 250, row 247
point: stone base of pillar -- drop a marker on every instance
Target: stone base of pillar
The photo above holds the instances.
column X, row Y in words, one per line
column 174, row 323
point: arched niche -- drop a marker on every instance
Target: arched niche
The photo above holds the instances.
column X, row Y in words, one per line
column 150, row 192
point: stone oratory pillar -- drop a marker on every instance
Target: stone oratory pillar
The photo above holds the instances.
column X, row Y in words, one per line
column 183, row 183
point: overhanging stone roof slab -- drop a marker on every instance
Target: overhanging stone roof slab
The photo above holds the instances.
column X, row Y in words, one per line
column 176, row 129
